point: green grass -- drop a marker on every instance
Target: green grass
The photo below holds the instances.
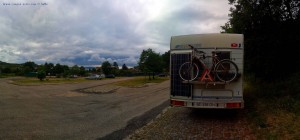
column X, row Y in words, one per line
column 140, row 81
column 273, row 110
column 7, row 75
column 135, row 82
column 274, row 121
column 36, row 81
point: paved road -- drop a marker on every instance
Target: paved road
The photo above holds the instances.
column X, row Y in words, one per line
column 60, row 112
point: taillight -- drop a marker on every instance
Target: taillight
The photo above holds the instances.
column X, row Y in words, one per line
column 177, row 103
column 233, row 105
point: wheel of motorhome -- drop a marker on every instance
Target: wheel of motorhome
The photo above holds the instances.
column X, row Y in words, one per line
column 188, row 71
column 226, row 70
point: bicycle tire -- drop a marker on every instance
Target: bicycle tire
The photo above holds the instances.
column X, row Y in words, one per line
column 226, row 70
column 188, row 71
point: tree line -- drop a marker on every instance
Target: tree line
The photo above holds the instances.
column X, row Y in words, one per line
column 150, row 62
column 271, row 34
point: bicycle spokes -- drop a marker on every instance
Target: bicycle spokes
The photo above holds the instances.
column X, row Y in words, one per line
column 226, row 70
column 188, row 71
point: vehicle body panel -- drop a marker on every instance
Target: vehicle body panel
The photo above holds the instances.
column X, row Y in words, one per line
column 199, row 94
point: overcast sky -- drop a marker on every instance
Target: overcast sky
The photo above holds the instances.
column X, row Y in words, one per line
column 88, row 32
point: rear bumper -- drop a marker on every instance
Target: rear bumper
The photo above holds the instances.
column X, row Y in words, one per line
column 222, row 104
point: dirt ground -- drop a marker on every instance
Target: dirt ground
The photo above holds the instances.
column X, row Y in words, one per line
column 101, row 110
column 71, row 111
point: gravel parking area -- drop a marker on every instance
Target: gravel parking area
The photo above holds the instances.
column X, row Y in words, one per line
column 77, row 111
column 191, row 124
column 82, row 111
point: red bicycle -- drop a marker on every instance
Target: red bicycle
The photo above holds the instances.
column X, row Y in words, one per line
column 223, row 70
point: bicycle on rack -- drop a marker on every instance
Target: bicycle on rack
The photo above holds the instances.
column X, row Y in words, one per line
column 223, row 70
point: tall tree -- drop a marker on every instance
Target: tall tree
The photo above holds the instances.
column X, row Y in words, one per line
column 29, row 67
column 75, row 70
column 115, row 68
column 271, row 31
column 150, row 61
column 124, row 67
column 58, row 69
column 49, row 68
column 115, row 64
column 166, row 61
column 106, row 67
column 124, row 71
column 82, row 71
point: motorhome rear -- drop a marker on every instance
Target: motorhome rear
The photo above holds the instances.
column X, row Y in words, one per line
column 207, row 94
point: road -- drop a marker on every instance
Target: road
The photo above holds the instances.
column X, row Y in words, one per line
column 61, row 112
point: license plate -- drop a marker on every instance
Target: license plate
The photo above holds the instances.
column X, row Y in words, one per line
column 201, row 104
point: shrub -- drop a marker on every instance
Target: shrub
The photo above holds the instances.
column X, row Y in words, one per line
column 41, row 75
column 293, row 85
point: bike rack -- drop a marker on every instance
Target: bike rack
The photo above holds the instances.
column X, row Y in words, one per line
column 218, row 85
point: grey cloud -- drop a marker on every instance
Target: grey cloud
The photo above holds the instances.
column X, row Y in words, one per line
column 88, row 32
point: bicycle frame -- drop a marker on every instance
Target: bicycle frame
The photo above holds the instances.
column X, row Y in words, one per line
column 207, row 74
column 220, row 69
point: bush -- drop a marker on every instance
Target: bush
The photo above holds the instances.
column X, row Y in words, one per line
column 41, row 75
column 293, row 85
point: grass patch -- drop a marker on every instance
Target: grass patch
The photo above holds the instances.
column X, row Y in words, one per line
column 135, row 82
column 36, row 81
column 7, row 75
column 273, row 110
column 140, row 81
column 278, row 121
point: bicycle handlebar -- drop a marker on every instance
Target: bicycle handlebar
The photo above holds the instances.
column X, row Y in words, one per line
column 195, row 49
column 200, row 53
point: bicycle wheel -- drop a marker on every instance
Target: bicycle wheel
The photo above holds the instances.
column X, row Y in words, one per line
column 188, row 71
column 226, row 70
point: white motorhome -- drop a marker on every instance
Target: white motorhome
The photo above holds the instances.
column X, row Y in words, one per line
column 205, row 91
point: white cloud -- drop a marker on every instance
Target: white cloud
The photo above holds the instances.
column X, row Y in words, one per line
column 90, row 32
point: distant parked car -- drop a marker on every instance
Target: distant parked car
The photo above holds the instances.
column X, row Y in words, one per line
column 109, row 76
column 73, row 76
column 102, row 75
column 94, row 77
column 162, row 75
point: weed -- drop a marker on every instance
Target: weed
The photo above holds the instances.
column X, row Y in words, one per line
column 274, row 107
column 140, row 81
